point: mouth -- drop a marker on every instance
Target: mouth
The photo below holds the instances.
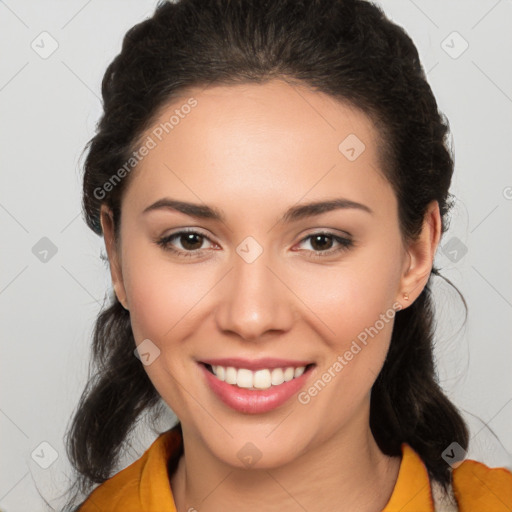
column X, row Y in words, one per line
column 264, row 378
column 268, row 385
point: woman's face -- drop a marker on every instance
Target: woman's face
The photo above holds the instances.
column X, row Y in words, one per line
column 271, row 284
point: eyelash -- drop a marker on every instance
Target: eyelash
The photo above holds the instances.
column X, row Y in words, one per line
column 345, row 244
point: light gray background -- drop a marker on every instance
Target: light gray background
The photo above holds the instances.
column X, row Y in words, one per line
column 49, row 110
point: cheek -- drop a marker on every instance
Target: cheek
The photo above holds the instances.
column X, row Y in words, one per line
column 343, row 379
column 165, row 301
column 164, row 298
column 357, row 304
column 162, row 293
column 349, row 298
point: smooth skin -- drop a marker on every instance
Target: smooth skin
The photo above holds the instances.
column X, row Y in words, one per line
column 253, row 151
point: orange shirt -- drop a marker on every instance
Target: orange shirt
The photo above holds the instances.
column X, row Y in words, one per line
column 144, row 485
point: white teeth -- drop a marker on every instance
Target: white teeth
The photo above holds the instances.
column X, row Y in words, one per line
column 260, row 379
column 230, row 375
column 277, row 376
column 220, row 371
column 244, row 378
column 288, row 374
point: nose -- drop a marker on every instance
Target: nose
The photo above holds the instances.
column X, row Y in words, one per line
column 255, row 300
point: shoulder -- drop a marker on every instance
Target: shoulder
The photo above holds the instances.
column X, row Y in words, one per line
column 137, row 486
column 479, row 487
column 474, row 487
column 116, row 493
column 119, row 490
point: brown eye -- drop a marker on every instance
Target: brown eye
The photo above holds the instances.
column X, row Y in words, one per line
column 190, row 243
column 322, row 244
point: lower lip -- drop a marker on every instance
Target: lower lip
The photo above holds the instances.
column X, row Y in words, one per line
column 251, row 401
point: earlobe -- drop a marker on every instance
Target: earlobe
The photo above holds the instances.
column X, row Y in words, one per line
column 420, row 255
column 121, row 295
column 107, row 226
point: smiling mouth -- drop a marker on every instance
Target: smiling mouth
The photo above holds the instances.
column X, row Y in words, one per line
column 264, row 378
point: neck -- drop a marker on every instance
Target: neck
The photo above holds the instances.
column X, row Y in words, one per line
column 345, row 473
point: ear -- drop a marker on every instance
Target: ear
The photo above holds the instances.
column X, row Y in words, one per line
column 420, row 256
column 114, row 258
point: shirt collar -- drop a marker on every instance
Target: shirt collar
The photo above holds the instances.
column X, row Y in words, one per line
column 412, row 491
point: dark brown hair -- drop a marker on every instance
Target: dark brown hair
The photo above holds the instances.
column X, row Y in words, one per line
column 346, row 48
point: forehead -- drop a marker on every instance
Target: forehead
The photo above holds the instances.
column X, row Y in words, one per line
column 276, row 107
column 272, row 141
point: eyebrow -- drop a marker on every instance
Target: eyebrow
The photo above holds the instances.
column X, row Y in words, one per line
column 292, row 214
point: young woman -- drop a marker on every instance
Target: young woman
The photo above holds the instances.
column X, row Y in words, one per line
column 271, row 180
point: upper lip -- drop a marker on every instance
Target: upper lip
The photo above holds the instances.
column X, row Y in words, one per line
column 255, row 364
